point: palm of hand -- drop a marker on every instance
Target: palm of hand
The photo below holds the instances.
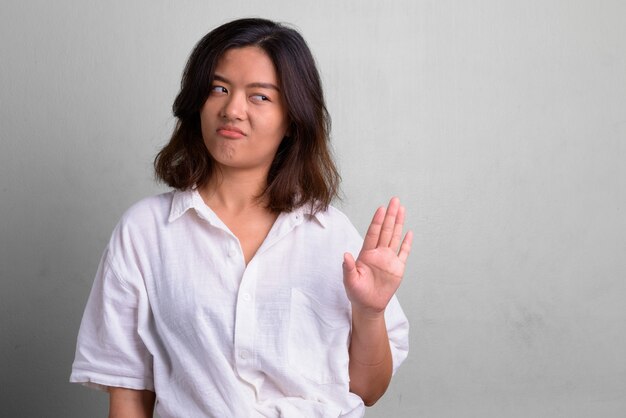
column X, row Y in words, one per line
column 374, row 277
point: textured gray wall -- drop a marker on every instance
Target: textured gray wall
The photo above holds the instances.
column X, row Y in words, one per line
column 501, row 124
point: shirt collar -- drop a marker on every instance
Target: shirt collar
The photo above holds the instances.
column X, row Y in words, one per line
column 306, row 211
column 183, row 200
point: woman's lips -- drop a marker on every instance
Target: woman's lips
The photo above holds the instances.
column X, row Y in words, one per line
column 230, row 132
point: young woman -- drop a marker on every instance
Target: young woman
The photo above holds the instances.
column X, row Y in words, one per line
column 237, row 294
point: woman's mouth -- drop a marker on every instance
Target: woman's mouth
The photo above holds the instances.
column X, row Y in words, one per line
column 230, row 132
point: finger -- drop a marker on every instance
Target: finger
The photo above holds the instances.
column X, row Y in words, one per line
column 386, row 231
column 405, row 248
column 373, row 231
column 397, row 230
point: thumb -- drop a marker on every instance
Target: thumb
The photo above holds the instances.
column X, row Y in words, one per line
column 349, row 267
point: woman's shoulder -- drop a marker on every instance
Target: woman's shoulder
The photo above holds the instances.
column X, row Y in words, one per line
column 138, row 229
column 155, row 206
column 148, row 213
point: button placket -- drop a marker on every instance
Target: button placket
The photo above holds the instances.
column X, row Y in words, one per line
column 245, row 317
column 232, row 250
column 245, row 322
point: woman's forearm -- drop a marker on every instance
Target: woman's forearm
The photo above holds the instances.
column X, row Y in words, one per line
column 370, row 365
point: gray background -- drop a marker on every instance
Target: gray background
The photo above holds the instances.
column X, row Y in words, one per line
column 501, row 124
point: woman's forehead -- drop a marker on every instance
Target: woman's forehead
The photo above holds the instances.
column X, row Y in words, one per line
column 250, row 64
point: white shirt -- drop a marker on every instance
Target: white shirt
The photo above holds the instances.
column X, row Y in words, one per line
column 174, row 309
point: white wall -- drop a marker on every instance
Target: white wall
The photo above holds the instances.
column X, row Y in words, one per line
column 501, row 124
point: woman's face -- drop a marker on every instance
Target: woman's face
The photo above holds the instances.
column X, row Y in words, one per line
column 244, row 119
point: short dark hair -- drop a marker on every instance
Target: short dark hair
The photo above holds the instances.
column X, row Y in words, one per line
column 303, row 170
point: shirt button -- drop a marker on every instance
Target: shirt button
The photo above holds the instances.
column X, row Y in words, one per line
column 247, row 297
column 232, row 252
column 243, row 354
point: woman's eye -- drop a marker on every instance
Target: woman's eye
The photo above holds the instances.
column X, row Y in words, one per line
column 219, row 89
column 259, row 98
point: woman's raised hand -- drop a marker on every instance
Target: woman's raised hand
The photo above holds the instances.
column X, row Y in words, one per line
column 374, row 277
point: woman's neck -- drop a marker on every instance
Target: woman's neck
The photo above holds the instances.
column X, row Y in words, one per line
column 234, row 192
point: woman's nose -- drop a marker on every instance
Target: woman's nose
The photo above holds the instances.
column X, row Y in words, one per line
column 234, row 107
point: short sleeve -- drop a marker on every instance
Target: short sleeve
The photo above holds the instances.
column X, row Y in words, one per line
column 109, row 350
column 398, row 332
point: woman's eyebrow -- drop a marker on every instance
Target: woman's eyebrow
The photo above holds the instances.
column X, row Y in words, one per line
column 218, row 77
